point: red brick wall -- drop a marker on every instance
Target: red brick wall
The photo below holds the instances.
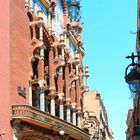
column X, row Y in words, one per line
column 19, row 51
column 4, row 70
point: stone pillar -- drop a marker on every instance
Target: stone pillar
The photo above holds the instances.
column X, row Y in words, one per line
column 68, row 114
column 52, row 105
column 30, row 94
column 31, row 5
column 61, row 106
column 42, row 99
column 74, row 114
column 42, row 95
column 68, row 111
column 79, row 120
column 61, row 110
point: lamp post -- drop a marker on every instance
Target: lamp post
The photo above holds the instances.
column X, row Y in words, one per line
column 133, row 77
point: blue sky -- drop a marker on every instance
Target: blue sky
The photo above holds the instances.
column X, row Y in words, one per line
column 107, row 40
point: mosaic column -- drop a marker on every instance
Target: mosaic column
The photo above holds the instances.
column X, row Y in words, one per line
column 79, row 119
column 73, row 99
column 61, row 106
column 42, row 95
column 42, row 99
column 30, row 93
column 68, row 111
column 60, row 94
column 74, row 114
column 52, row 106
column 61, row 109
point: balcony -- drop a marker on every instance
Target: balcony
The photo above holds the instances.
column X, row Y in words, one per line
column 39, row 118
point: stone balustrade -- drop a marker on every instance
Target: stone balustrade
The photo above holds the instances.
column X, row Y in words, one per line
column 37, row 117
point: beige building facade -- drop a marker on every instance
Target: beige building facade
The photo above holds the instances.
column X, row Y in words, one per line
column 95, row 116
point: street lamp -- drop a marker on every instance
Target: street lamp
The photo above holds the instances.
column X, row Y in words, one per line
column 133, row 77
column 61, row 132
column 133, row 80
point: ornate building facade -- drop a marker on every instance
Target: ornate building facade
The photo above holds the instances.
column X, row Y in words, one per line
column 42, row 74
column 95, row 117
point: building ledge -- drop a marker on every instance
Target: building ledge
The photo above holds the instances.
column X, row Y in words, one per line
column 42, row 119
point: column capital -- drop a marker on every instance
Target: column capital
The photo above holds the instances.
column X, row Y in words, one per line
column 52, row 92
column 73, row 105
column 79, row 110
column 41, row 83
column 60, row 95
column 52, row 89
column 68, row 102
